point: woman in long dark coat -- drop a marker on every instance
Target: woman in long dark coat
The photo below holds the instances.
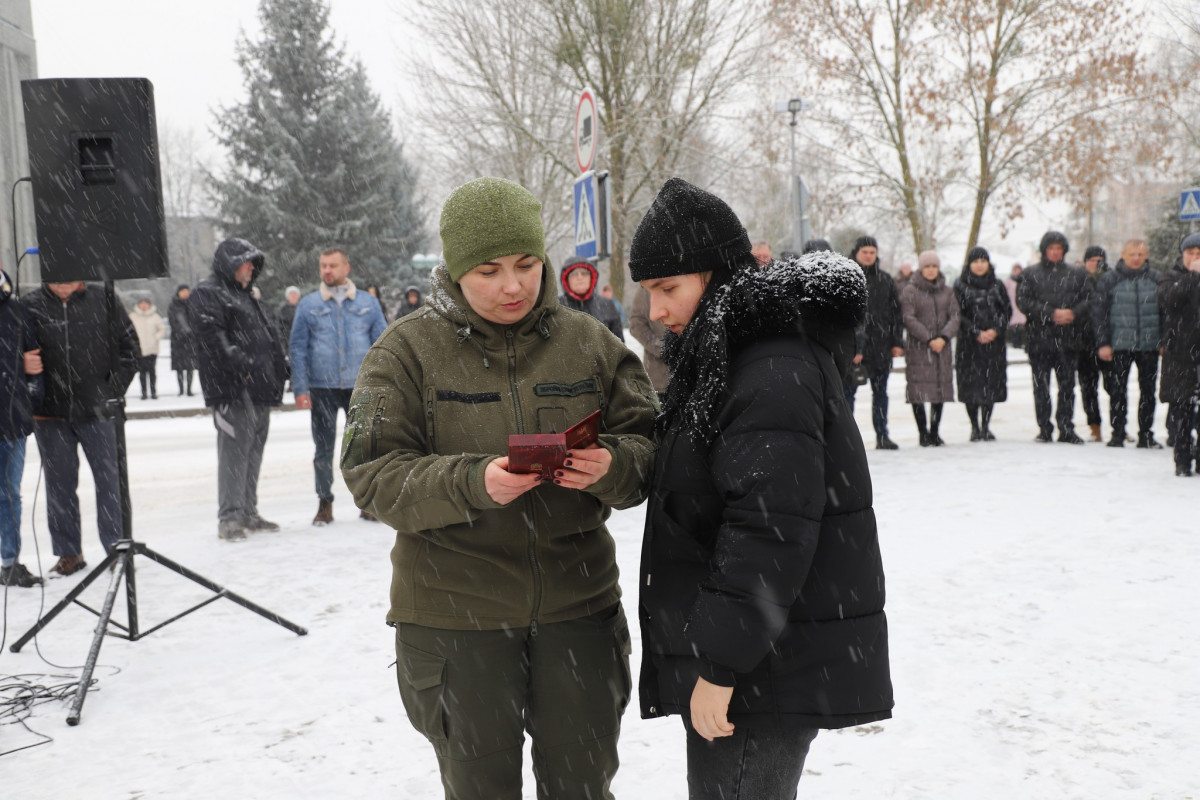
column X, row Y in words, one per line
column 931, row 318
column 183, row 340
column 980, row 360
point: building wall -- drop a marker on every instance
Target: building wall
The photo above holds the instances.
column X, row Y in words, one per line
column 18, row 61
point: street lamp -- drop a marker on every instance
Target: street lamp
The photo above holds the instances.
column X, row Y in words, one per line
column 794, row 107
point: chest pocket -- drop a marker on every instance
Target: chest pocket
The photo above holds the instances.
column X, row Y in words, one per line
column 466, row 422
column 562, row 404
column 320, row 319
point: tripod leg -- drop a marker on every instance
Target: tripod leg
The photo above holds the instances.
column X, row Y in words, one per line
column 220, row 590
column 66, row 601
column 89, row 666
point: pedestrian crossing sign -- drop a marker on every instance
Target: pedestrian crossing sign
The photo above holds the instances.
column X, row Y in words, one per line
column 1189, row 205
column 593, row 222
column 585, row 216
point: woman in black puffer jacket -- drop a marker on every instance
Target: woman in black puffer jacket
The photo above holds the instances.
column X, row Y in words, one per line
column 762, row 583
column 980, row 360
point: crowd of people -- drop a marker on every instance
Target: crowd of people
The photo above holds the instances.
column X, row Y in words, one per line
column 1088, row 323
column 761, row 587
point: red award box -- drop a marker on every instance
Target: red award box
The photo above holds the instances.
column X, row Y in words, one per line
column 545, row 452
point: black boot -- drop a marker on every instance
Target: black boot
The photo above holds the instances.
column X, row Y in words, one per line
column 935, row 421
column 190, row 375
column 922, row 428
column 973, row 415
column 179, row 378
column 882, row 442
column 985, row 422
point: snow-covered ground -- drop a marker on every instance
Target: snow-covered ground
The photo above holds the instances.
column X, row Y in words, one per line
column 1042, row 604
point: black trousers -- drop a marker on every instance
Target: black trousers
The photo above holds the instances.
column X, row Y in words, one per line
column 1091, row 370
column 1182, row 423
column 1117, row 384
column 879, row 398
column 1063, row 365
column 60, row 442
column 147, row 372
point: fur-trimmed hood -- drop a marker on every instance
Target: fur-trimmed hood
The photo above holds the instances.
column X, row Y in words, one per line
column 823, row 295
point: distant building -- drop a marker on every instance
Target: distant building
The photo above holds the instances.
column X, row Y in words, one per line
column 18, row 62
column 1127, row 208
column 191, row 242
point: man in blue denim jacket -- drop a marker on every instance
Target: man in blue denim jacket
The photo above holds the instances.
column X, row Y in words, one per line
column 333, row 329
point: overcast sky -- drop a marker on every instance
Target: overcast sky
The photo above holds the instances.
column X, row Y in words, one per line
column 186, row 47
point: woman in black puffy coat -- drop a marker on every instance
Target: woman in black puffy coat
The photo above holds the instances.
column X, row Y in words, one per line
column 980, row 360
column 762, row 585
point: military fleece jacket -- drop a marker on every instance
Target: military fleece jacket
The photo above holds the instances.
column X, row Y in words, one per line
column 436, row 399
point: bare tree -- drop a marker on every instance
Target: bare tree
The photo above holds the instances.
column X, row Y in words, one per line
column 509, row 71
column 183, row 172
column 871, row 65
column 1054, row 93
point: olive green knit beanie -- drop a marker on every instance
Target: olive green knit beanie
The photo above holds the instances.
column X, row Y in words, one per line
column 486, row 219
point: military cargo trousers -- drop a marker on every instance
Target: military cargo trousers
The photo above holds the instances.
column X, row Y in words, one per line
column 474, row 695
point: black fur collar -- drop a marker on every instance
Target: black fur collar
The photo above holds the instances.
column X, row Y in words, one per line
column 821, row 294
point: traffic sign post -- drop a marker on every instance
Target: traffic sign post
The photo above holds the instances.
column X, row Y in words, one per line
column 1189, row 205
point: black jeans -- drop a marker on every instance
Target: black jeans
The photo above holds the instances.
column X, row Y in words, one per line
column 1091, row 370
column 748, row 765
column 1118, row 388
column 879, row 398
column 1042, row 362
column 59, row 442
column 325, row 405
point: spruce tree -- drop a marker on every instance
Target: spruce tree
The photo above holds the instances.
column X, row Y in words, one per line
column 312, row 159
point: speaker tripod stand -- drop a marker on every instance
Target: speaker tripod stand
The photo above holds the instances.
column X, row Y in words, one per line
column 120, row 560
column 122, row 555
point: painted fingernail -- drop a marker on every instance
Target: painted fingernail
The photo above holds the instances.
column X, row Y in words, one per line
column 558, row 474
column 557, row 482
column 566, row 463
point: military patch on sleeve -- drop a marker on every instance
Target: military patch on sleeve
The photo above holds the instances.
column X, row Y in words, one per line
column 566, row 389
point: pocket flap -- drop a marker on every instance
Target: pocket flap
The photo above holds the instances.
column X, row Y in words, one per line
column 423, row 671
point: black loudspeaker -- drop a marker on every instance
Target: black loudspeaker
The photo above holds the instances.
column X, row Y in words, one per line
column 93, row 158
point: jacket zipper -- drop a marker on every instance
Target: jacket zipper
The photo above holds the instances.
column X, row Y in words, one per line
column 377, row 427
column 529, row 509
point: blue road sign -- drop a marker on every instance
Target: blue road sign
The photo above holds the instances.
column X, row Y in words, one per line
column 1189, row 205
column 585, row 216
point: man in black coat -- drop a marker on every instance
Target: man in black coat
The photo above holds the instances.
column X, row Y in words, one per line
column 20, row 390
column 1179, row 297
column 74, row 324
column 881, row 337
column 242, row 372
column 1054, row 297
